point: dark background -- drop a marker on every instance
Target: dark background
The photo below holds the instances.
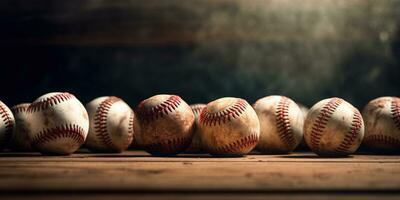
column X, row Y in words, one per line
column 200, row 50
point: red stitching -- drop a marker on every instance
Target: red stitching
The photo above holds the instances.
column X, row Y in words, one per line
column 283, row 122
column 49, row 101
column 131, row 133
column 224, row 116
column 9, row 123
column 395, row 110
column 381, row 139
column 197, row 108
column 20, row 108
column 355, row 128
column 151, row 114
column 169, row 146
column 72, row 131
column 100, row 121
column 236, row 146
column 322, row 121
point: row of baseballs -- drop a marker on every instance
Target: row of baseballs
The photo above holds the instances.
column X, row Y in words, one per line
column 163, row 125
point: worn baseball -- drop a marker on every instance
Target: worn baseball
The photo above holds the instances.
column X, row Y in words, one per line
column 59, row 123
column 110, row 125
column 382, row 124
column 20, row 138
column 229, row 127
column 195, row 146
column 7, row 125
column 281, row 124
column 333, row 127
column 166, row 125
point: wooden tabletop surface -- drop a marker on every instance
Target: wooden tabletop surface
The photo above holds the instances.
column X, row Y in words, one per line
column 137, row 174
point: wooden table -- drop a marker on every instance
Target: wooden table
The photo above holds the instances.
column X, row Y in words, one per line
column 136, row 174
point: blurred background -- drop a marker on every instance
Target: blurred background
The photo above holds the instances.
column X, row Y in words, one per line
column 200, row 49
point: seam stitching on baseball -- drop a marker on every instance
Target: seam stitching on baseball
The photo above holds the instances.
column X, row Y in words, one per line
column 48, row 102
column 160, row 110
column 349, row 138
column 100, row 121
column 197, row 109
column 322, row 120
column 72, row 131
column 169, row 145
column 131, row 135
column 385, row 139
column 224, row 116
column 395, row 110
column 7, row 121
column 19, row 109
column 234, row 147
column 283, row 123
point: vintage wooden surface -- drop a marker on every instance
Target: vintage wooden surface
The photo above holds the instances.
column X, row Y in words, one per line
column 135, row 173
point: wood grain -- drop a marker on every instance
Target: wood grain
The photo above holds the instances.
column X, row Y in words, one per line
column 136, row 171
column 135, row 174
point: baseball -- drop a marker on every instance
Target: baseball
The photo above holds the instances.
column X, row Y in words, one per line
column 20, row 139
column 382, row 124
column 195, row 146
column 166, row 125
column 59, row 123
column 110, row 125
column 7, row 125
column 229, row 127
column 333, row 127
column 281, row 124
